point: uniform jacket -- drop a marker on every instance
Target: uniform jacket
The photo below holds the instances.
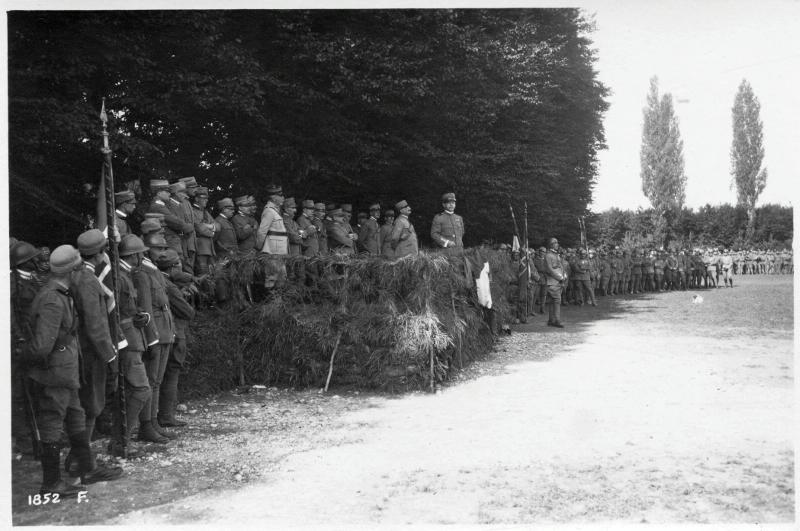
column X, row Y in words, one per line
column 121, row 224
column 448, row 227
column 225, row 242
column 658, row 264
column 369, row 238
column 386, row 243
column 293, row 234
column 162, row 315
column 128, row 307
column 271, row 237
column 245, row 227
column 553, row 270
column 403, row 237
column 636, row 265
column 322, row 235
column 671, row 262
column 23, row 291
column 175, row 226
column 182, row 311
column 203, row 230
column 54, row 345
column 94, row 335
column 310, row 244
column 338, row 240
column 648, row 265
column 582, row 268
column 145, row 289
column 184, row 207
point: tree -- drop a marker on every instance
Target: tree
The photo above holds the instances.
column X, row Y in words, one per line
column 747, row 153
column 661, row 157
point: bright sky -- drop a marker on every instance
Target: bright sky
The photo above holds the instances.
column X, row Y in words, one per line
column 700, row 51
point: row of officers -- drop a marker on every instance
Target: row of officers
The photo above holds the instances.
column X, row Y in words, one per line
column 180, row 211
column 68, row 350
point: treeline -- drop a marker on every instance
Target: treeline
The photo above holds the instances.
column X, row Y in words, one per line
column 708, row 226
column 349, row 106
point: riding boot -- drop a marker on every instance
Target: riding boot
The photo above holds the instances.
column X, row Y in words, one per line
column 51, row 474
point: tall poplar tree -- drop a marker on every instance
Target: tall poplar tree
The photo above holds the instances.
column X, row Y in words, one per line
column 661, row 157
column 747, row 153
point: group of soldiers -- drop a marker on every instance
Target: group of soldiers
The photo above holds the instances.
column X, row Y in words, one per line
column 73, row 335
column 588, row 273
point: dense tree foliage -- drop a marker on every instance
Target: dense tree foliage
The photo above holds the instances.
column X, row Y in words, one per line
column 356, row 106
column 661, row 158
column 719, row 226
column 747, row 152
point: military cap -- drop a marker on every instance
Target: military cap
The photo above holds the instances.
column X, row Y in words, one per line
column 201, row 191
column 449, row 196
column 319, row 206
column 251, row 200
column 190, row 182
column 174, row 188
column 308, row 203
column 388, row 212
column 274, row 189
column 289, row 203
column 225, row 202
column 64, row 259
column 22, row 251
column 131, row 244
column 347, row 207
column 401, row 204
column 154, row 215
column 168, row 259
column 375, row 206
column 552, row 240
column 329, row 206
column 91, row 242
column 542, row 249
column 159, row 184
column 125, row 196
column 336, row 212
column 241, row 200
column 156, row 241
column 150, row 225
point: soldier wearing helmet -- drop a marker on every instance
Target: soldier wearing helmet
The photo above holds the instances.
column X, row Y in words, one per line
column 555, row 283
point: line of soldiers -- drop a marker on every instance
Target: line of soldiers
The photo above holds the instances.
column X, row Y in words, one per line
column 68, row 350
column 583, row 274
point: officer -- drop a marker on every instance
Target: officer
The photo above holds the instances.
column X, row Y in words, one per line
column 319, row 223
column 385, row 233
column 726, row 262
column 175, row 226
column 53, row 356
column 291, row 226
column 447, row 229
column 594, row 270
column 339, row 240
column 671, row 271
column 605, row 273
column 182, row 207
column 204, row 229
column 133, row 321
column 182, row 313
column 94, row 338
column 244, row 223
column 627, row 271
column 309, row 235
column 24, row 286
column 369, row 237
column 225, row 242
column 636, row 271
column 582, row 275
column 271, row 237
column 541, row 285
column 125, row 202
column 555, row 279
column 403, row 236
column 347, row 210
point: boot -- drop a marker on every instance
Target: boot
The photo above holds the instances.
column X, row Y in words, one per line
column 163, row 431
column 148, row 434
column 51, row 475
column 168, row 400
column 88, row 468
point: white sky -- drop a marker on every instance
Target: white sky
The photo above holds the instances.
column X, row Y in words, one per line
column 700, row 52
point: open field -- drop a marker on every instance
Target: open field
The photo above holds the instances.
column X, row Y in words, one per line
column 646, row 409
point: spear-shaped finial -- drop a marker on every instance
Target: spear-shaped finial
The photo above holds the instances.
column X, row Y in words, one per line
column 104, row 119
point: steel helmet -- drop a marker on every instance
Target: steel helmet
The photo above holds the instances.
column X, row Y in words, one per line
column 21, row 252
column 131, row 244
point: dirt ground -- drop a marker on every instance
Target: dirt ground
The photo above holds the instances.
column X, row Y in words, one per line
column 647, row 409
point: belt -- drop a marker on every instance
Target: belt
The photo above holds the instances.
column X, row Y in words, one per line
column 127, row 320
column 276, row 233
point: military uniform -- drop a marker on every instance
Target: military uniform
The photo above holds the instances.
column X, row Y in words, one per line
column 292, row 229
column 205, row 229
column 310, row 236
column 339, row 241
column 175, row 227
column 369, row 238
column 319, row 223
column 271, row 237
column 555, row 276
column 225, row 241
column 447, row 229
column 385, row 233
column 403, row 236
column 581, row 273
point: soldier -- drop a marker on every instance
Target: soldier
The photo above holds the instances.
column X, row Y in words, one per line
column 403, row 236
column 555, row 281
column 670, row 271
column 527, row 277
column 636, row 271
column 204, row 229
column 319, row 223
column 53, row 356
column 541, row 285
column 180, row 205
column 726, row 262
column 291, row 227
column 581, row 273
column 225, row 242
column 447, row 229
column 386, row 231
column 244, row 223
column 347, row 209
column 151, row 287
column 339, row 240
column 94, row 339
column 710, row 272
column 271, row 237
column 369, row 237
column 309, row 242
column 125, row 202
column 24, row 286
column 182, row 314
column 175, row 226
